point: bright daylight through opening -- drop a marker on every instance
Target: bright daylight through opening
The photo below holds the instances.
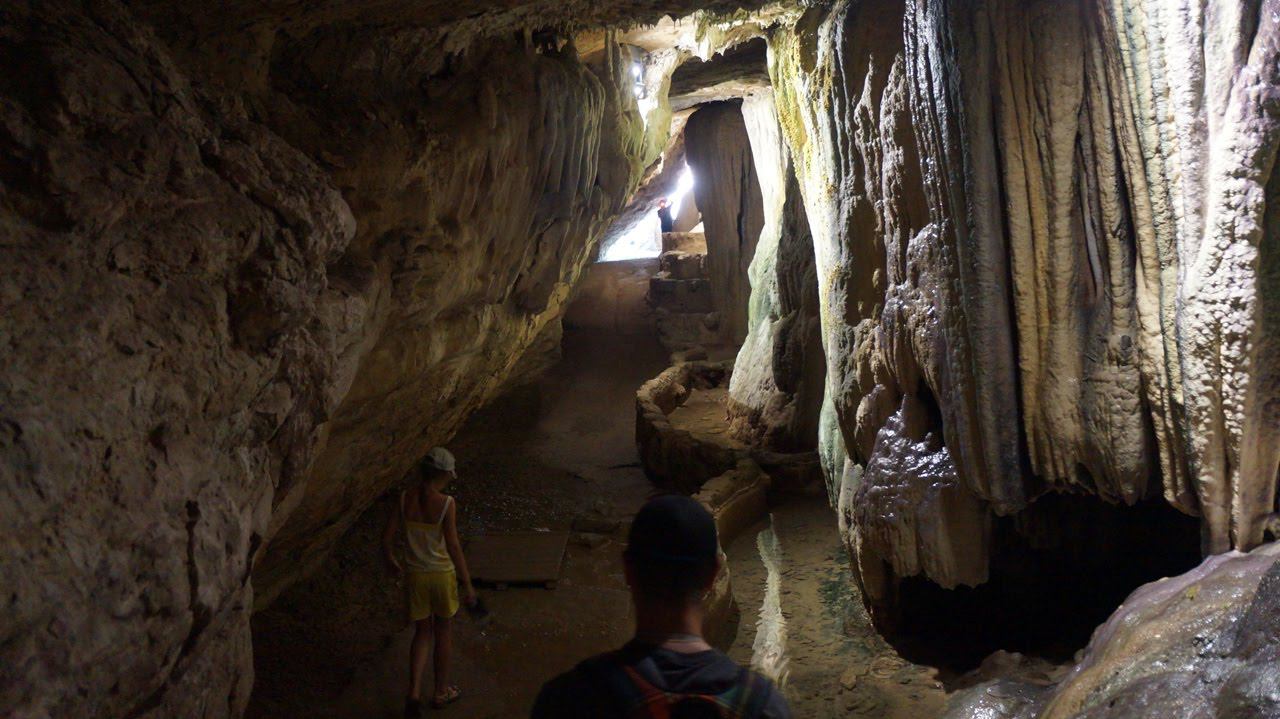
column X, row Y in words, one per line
column 644, row 239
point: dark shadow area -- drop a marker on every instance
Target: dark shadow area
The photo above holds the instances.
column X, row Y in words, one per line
column 1058, row 570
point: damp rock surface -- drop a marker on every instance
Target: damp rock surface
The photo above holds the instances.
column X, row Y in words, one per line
column 1204, row 643
column 250, row 277
column 259, row 256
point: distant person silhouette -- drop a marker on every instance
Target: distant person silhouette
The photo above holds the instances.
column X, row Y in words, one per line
column 668, row 669
column 664, row 216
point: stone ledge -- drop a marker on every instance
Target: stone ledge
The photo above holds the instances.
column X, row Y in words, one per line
column 675, row 457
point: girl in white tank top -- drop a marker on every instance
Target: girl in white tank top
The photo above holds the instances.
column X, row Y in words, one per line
column 431, row 562
column 425, row 549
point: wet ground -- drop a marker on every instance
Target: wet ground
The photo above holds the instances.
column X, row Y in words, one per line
column 833, row 663
column 542, row 457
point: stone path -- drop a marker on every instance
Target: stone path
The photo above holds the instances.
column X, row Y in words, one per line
column 334, row 646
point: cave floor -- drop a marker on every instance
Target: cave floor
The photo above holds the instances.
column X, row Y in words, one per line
column 547, row 456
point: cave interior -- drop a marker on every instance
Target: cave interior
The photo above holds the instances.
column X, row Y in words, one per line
column 962, row 319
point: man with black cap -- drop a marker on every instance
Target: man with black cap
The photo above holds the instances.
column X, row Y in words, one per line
column 668, row 669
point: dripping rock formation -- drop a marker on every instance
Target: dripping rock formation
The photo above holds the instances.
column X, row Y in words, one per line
column 1045, row 249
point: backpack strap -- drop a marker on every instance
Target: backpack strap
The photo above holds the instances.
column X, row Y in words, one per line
column 635, row 697
column 632, row 695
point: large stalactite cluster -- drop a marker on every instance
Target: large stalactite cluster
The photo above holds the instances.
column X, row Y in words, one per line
column 1043, row 262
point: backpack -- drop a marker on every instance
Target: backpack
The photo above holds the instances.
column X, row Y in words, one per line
column 638, row 698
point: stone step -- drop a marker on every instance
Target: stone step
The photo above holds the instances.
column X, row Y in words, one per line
column 680, row 331
column 694, row 242
column 682, row 265
column 680, row 296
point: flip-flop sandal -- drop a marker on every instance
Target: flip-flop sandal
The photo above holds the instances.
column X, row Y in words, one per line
column 451, row 695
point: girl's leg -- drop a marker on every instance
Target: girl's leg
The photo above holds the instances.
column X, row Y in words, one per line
column 419, row 650
column 444, row 648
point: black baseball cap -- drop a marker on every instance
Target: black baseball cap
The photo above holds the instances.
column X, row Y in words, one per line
column 673, row 528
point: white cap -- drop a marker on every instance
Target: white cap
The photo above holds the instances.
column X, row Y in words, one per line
column 439, row 458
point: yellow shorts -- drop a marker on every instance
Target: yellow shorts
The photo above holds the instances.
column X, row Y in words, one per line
column 432, row 594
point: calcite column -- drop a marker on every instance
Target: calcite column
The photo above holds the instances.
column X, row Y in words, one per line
column 1200, row 84
column 898, row 399
column 727, row 188
column 777, row 384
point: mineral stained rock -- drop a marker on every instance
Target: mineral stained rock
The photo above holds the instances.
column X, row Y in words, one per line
column 776, row 390
column 1205, row 643
column 465, row 267
column 171, row 336
column 1050, row 228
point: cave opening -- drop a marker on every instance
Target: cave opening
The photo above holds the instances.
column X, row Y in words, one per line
column 1058, row 570
column 674, row 212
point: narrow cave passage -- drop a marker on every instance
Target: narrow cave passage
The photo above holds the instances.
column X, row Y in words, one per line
column 954, row 325
column 691, row 361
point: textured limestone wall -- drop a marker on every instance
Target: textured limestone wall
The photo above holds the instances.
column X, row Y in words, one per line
column 475, row 216
column 236, row 313
column 727, row 189
column 1045, row 258
column 778, row 379
column 169, row 328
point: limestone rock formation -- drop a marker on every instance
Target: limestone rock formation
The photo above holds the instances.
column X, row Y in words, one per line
column 465, row 267
column 257, row 263
column 1051, row 226
column 776, row 389
column 718, row 149
column 258, row 256
column 1206, row 643
column 738, row 72
column 171, row 334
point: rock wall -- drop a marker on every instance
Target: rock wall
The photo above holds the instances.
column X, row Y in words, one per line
column 611, row 298
column 1045, row 259
column 249, row 277
column 727, row 189
column 466, row 266
column 776, row 388
column 169, row 326
column 1204, row 643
